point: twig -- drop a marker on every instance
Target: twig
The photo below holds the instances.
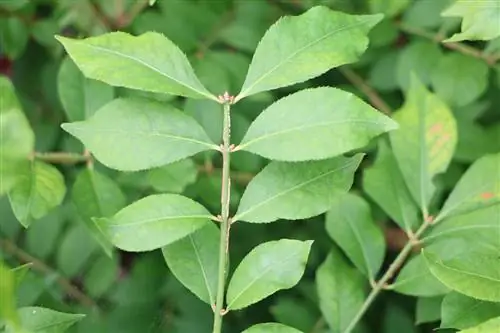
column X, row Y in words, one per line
column 136, row 9
column 37, row 265
column 460, row 47
column 319, row 325
column 372, row 95
column 62, row 157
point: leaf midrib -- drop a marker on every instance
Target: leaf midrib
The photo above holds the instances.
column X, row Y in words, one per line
column 467, row 273
column 291, row 189
column 202, row 268
column 293, row 54
column 158, row 219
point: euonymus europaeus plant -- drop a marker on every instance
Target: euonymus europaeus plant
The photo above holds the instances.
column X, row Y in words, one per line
column 304, row 135
column 312, row 138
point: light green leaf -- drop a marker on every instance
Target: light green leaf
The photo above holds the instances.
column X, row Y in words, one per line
column 39, row 190
column 299, row 190
column 388, row 7
column 42, row 320
column 20, row 272
column 322, row 115
column 80, row 97
column 132, row 134
column 428, row 309
column 478, row 188
column 296, row 49
column 469, row 81
column 480, row 19
column 349, row 222
column 384, row 183
column 8, row 300
column 96, row 195
column 341, row 291
column 194, row 261
column 17, row 139
column 153, row 222
column 419, row 57
column 152, row 2
column 425, row 142
column 269, row 267
column 149, row 62
column 473, row 274
column 14, row 35
column 173, row 178
column 271, row 328
column 489, row 326
column 461, row 312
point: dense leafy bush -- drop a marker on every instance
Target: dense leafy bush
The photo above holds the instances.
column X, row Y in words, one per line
column 146, row 147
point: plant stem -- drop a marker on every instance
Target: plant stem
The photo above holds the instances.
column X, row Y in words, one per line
column 389, row 274
column 226, row 223
column 62, row 157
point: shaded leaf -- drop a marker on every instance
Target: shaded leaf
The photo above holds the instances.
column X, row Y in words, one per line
column 299, row 48
column 153, row 222
column 40, row 189
column 42, row 320
column 194, row 261
column 478, row 188
column 341, row 291
column 101, row 276
column 269, row 267
column 428, row 309
column 149, row 62
column 388, row 7
column 461, row 312
column 424, row 144
column 479, row 19
column 284, row 190
column 271, row 328
column 75, row 250
column 96, row 195
column 8, row 300
column 419, row 57
column 124, row 134
column 173, row 178
column 322, row 115
column 350, row 224
column 14, row 35
column 473, row 274
column 384, row 183
column 80, row 97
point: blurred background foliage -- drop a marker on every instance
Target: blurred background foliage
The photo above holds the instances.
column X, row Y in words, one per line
column 135, row 292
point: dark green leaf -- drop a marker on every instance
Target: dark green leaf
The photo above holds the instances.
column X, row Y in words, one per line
column 284, row 190
column 39, row 190
column 75, row 250
column 149, row 62
column 341, row 291
column 153, row 222
column 428, row 309
column 132, row 134
column 42, row 320
column 173, row 178
column 269, row 267
column 322, row 115
column 461, row 312
column 101, row 276
column 349, row 222
column 388, row 7
column 14, row 35
column 270, row 328
column 194, row 260
column 420, row 57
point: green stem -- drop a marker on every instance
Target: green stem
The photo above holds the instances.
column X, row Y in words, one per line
column 226, row 223
column 62, row 157
column 389, row 274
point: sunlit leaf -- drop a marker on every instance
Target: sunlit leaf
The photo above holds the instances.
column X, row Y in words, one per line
column 461, row 312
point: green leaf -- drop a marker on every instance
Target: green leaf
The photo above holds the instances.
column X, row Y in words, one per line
column 20, row 272
column 384, row 183
column 478, row 188
column 480, row 19
column 173, row 178
column 294, row 311
column 132, row 134
column 8, row 299
column 425, row 14
column 472, row 274
column 341, row 291
column 388, row 7
column 425, row 142
column 194, row 261
column 428, row 309
column 322, row 115
column 39, row 190
column 153, row 222
column 269, row 267
column 101, row 276
column 75, row 251
column 349, row 222
column 14, row 35
column 419, row 57
column 152, row 2
column 42, row 320
column 271, row 328
column 96, row 195
column 17, row 139
column 469, row 81
column 489, row 326
column 42, row 237
column 14, row 4
column 461, row 312
column 299, row 190
column 299, row 48
column 149, row 62
column 80, row 97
